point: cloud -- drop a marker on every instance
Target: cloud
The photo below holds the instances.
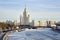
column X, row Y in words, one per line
column 38, row 9
column 46, row 6
column 50, row 6
column 8, row 3
column 9, row 13
column 31, row 0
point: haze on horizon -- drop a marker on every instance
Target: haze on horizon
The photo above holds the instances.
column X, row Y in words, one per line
column 38, row 9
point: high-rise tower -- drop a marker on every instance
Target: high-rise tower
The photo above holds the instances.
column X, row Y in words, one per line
column 25, row 19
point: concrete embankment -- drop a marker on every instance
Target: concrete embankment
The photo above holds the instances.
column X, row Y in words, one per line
column 6, row 35
column 2, row 36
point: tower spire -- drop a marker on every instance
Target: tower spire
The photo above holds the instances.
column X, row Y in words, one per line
column 25, row 12
column 25, row 4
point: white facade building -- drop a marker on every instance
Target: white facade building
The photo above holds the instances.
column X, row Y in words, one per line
column 39, row 23
column 52, row 23
column 24, row 19
column 43, row 23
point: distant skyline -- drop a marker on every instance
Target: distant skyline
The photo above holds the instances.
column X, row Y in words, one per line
column 38, row 9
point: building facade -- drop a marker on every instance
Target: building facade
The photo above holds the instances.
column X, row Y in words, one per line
column 24, row 19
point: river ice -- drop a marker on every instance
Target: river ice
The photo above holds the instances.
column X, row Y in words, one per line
column 35, row 34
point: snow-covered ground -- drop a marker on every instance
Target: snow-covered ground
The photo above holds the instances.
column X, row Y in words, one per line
column 35, row 34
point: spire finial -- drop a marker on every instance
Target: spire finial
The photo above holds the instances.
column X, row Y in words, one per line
column 25, row 5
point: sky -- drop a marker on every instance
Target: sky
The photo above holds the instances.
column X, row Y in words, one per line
column 38, row 9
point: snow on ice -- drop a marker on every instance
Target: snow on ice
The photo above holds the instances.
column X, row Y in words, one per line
column 35, row 34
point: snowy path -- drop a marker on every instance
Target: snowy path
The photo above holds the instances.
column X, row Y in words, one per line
column 35, row 34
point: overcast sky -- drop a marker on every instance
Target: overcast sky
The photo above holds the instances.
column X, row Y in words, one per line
column 38, row 9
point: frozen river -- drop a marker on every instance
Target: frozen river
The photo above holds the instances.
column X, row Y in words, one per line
column 35, row 34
